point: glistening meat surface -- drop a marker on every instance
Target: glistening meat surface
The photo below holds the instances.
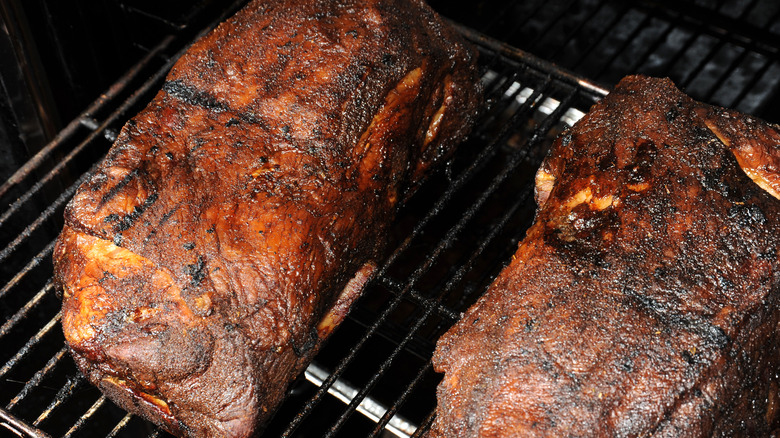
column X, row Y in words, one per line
column 238, row 216
column 644, row 300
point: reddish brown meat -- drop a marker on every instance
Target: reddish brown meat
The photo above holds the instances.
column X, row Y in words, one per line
column 202, row 264
column 644, row 300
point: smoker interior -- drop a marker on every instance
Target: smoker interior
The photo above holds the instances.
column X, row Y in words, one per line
column 374, row 378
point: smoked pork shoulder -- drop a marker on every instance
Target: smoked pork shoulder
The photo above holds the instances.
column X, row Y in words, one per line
column 645, row 299
column 238, row 216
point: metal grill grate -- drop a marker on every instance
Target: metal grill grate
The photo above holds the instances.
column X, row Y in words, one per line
column 445, row 258
column 724, row 52
column 373, row 378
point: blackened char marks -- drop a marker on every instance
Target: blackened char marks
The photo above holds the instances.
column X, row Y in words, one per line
column 249, row 202
column 178, row 89
column 196, row 271
column 110, row 193
column 649, row 280
column 127, row 221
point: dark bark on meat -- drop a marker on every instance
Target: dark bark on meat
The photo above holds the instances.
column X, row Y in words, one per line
column 211, row 252
column 644, row 300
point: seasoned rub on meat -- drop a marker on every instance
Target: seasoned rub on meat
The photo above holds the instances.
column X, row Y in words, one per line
column 643, row 301
column 238, row 216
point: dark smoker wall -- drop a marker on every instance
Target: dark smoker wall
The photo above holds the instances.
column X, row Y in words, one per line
column 58, row 56
column 84, row 45
column 724, row 52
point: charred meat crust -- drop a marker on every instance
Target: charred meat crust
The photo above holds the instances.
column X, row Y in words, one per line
column 644, row 299
column 202, row 264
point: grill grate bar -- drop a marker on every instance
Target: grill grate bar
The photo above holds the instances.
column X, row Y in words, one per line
column 725, row 74
column 499, row 85
column 498, row 90
column 714, row 51
column 44, row 253
column 327, row 383
column 732, row 30
column 59, row 202
column 680, row 51
column 417, row 274
column 22, row 313
column 651, row 48
column 66, row 391
column 396, row 287
column 514, row 161
column 494, row 232
column 387, row 417
column 84, row 418
column 118, row 114
column 119, row 426
column 367, row 406
column 753, row 83
column 115, row 90
column 736, row 62
column 425, row 425
column 365, row 388
column 392, row 331
column 511, row 93
column 508, row 251
column 550, row 24
column 19, row 427
column 467, row 174
column 38, row 377
column 520, row 200
column 598, row 41
column 29, row 345
column 702, row 64
column 570, row 35
column 621, row 48
column 749, row 8
column 438, row 205
column 545, row 67
column 474, row 255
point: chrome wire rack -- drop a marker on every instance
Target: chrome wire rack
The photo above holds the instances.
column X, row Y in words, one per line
column 373, row 377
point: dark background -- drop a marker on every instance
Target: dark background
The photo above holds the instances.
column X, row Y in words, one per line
column 59, row 56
